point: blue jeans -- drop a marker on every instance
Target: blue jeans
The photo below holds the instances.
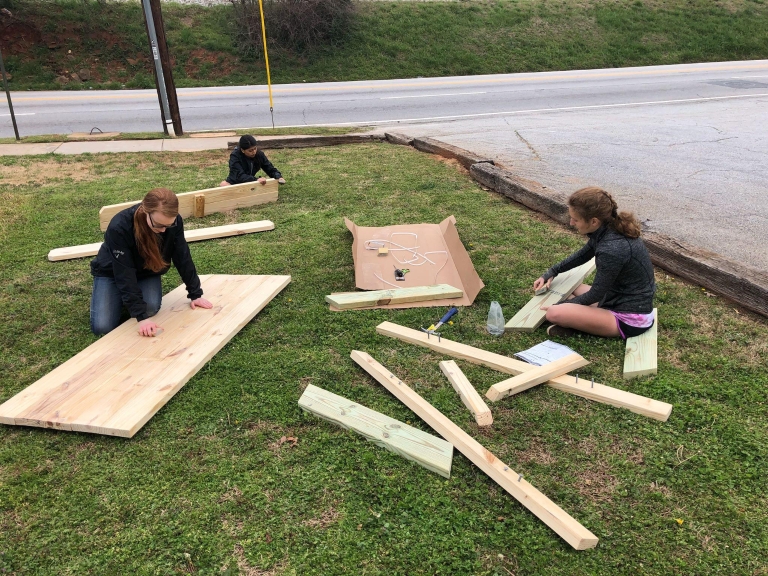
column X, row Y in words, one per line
column 107, row 304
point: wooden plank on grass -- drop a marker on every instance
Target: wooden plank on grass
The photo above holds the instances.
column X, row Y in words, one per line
column 547, row 511
column 120, row 381
column 640, row 357
column 351, row 300
column 214, row 200
column 597, row 392
column 536, row 375
column 467, row 393
column 432, row 453
column 196, row 235
column 531, row 315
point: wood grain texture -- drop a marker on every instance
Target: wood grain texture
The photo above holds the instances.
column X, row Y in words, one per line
column 641, row 355
column 534, row 376
column 119, row 382
column 547, row 511
column 216, row 200
column 199, row 205
column 597, row 392
column 469, row 396
column 196, row 235
column 351, row 300
column 531, row 315
column 434, row 454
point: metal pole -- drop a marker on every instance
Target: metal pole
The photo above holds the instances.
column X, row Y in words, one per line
column 158, row 68
column 8, row 95
column 165, row 61
column 266, row 60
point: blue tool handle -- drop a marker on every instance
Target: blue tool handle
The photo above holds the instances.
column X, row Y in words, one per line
column 448, row 315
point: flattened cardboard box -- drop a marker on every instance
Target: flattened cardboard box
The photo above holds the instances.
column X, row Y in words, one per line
column 374, row 272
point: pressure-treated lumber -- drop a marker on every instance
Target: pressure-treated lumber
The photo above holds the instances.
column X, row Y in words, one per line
column 85, row 250
column 120, row 381
column 586, row 389
column 215, row 200
column 467, row 393
column 432, row 453
column 547, row 511
column 536, row 375
column 531, row 315
column 351, row 300
column 640, row 357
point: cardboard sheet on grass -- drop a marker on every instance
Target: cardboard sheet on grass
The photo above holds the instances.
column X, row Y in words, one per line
column 454, row 267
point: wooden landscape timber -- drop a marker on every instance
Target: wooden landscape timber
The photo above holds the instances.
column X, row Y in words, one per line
column 640, row 356
column 196, row 235
column 119, row 382
column 434, row 454
column 547, row 511
column 536, row 375
column 586, row 389
column 531, row 315
column 467, row 393
column 211, row 200
column 351, row 300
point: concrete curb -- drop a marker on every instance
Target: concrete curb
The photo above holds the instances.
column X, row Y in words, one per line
column 395, row 138
column 745, row 285
column 272, row 143
column 465, row 157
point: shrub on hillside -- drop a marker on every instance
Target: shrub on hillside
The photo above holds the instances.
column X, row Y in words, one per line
column 294, row 25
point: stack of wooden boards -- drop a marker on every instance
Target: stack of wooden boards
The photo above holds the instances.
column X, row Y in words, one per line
column 120, row 381
column 198, row 204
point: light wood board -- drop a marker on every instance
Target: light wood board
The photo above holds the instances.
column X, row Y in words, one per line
column 641, row 355
column 547, row 511
column 531, row 315
column 536, row 375
column 120, row 381
column 432, row 453
column 214, row 200
column 196, row 235
column 586, row 389
column 351, row 300
column 469, row 396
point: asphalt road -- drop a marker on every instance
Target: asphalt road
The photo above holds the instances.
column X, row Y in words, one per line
column 684, row 146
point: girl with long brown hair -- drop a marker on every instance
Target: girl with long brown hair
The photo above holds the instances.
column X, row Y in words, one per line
column 620, row 300
column 139, row 246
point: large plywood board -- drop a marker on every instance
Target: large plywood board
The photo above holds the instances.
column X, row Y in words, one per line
column 215, row 200
column 432, row 453
column 85, row 250
column 119, row 382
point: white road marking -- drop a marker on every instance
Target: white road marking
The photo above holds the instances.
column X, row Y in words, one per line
column 22, row 114
column 430, row 95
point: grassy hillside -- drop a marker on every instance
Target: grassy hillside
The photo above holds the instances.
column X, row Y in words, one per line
column 46, row 40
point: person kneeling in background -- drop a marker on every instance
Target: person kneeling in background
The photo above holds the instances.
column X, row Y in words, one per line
column 246, row 160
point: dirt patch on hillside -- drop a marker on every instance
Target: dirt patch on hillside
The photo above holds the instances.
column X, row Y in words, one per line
column 43, row 172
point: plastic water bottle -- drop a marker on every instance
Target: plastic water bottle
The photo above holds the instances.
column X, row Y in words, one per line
column 495, row 320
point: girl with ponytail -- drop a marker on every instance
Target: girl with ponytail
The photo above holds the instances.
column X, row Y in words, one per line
column 139, row 246
column 620, row 300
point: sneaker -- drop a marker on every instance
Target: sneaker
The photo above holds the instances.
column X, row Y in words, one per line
column 563, row 332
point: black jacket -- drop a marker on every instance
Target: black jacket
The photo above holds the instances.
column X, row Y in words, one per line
column 243, row 169
column 624, row 274
column 119, row 258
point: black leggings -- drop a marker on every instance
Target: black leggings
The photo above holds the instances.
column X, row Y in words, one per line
column 630, row 331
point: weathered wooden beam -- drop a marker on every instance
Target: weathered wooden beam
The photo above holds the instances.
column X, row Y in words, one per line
column 196, row 235
column 536, row 375
column 216, row 200
column 434, row 454
column 351, row 300
column 590, row 390
column 547, row 511
column 467, row 393
column 640, row 357
column 531, row 315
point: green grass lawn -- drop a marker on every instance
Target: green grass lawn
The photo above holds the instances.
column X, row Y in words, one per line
column 386, row 40
column 206, row 486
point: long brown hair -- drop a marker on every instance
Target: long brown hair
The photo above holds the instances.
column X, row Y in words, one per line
column 158, row 200
column 594, row 202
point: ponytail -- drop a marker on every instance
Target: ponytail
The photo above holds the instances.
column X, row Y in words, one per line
column 148, row 242
column 594, row 202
